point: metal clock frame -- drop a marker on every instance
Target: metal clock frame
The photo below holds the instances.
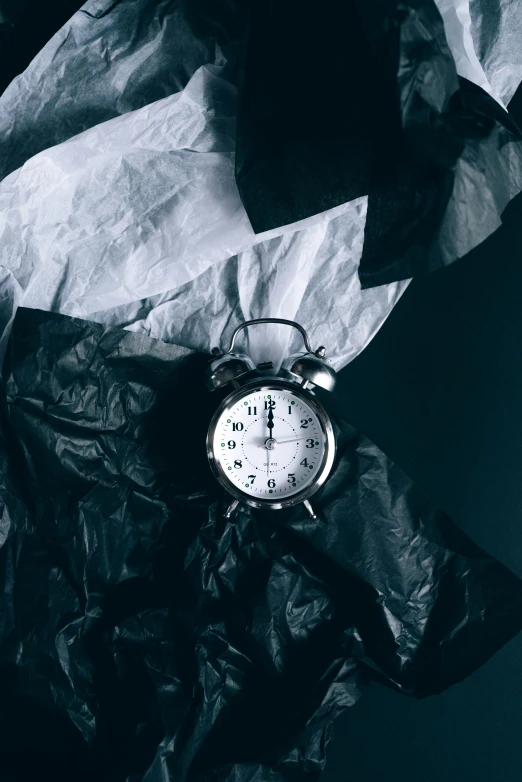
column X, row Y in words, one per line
column 266, row 385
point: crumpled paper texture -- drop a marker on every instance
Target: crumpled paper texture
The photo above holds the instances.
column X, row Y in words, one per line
column 456, row 17
column 496, row 29
column 25, row 27
column 146, row 204
column 165, row 643
column 303, row 276
column 123, row 227
column 439, row 205
column 108, row 59
column 390, row 119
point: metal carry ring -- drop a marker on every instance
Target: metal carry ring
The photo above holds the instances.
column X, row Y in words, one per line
column 321, row 351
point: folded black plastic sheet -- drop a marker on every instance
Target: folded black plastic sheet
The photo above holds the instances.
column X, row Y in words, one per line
column 405, row 213
column 145, row 637
column 362, row 98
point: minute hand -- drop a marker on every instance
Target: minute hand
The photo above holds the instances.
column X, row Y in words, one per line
column 291, row 440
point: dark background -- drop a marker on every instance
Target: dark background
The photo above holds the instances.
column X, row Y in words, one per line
column 439, row 389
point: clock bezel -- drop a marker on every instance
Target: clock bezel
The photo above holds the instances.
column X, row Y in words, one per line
column 265, row 385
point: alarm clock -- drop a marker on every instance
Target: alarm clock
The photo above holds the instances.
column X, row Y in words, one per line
column 270, row 443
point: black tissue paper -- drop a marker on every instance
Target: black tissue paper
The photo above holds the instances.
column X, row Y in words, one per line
column 145, row 637
column 363, row 98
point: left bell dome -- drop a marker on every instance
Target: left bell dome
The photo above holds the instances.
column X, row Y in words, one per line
column 226, row 369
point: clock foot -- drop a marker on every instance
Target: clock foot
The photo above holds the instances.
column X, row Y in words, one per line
column 231, row 508
column 309, row 509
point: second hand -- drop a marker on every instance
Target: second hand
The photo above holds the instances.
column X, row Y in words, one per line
column 279, row 442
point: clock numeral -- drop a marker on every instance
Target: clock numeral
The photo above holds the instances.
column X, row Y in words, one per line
column 304, row 423
column 237, row 427
column 231, row 443
column 271, row 483
column 310, row 442
column 254, row 409
column 269, row 404
column 238, row 464
column 291, row 477
column 289, row 409
column 304, row 463
column 252, row 478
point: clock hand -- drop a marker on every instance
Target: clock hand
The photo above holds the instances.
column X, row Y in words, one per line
column 279, row 442
column 268, row 463
column 270, row 422
column 291, row 440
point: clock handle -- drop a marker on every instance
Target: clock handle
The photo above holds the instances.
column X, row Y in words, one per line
column 320, row 352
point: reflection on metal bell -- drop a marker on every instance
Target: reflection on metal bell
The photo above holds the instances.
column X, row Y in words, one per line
column 312, row 369
column 227, row 369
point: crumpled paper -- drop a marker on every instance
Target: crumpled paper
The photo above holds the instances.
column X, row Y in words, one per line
column 128, row 243
column 457, row 22
column 166, row 643
column 390, row 118
column 108, row 59
column 303, row 276
column 145, row 204
column 439, row 205
column 496, row 29
column 26, row 26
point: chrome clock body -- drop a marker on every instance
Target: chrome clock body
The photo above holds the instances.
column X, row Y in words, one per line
column 273, row 467
column 270, row 443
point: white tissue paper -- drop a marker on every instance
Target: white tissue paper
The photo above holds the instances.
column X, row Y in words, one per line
column 496, row 27
column 137, row 221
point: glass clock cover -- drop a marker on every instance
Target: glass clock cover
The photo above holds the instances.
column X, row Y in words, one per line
column 271, row 443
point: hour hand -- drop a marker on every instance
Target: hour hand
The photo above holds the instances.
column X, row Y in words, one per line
column 270, row 422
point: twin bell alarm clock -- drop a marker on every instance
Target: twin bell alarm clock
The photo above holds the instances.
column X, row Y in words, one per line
column 270, row 442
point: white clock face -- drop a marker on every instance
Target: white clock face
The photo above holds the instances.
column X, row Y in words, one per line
column 269, row 444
